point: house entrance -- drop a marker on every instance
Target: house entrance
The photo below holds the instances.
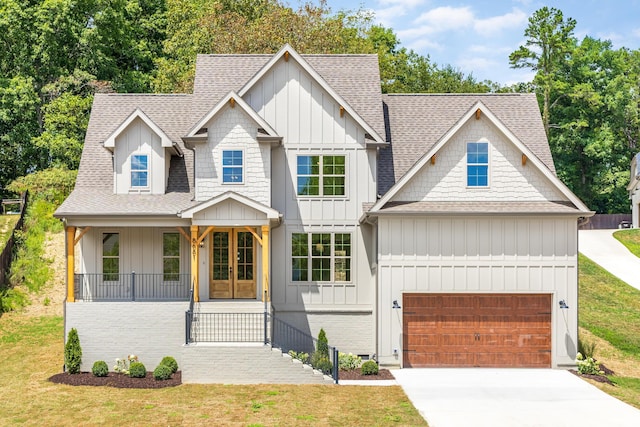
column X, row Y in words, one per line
column 232, row 264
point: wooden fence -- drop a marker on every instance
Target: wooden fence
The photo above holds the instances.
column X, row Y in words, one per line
column 7, row 252
column 606, row 221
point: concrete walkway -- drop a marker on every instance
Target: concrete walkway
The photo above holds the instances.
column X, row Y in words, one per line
column 511, row 398
column 602, row 248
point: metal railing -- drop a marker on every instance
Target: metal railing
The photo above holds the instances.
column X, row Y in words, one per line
column 189, row 317
column 131, row 287
column 229, row 327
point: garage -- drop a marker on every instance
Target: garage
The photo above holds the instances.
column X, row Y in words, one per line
column 476, row 330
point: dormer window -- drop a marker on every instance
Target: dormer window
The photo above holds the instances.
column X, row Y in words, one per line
column 232, row 167
column 139, row 171
column 477, row 164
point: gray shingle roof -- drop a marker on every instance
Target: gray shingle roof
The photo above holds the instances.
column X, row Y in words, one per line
column 417, row 122
column 475, row 208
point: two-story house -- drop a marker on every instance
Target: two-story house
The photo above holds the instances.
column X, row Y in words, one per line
column 424, row 230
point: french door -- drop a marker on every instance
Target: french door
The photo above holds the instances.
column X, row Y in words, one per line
column 232, row 264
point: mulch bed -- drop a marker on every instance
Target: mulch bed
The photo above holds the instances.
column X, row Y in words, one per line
column 383, row 374
column 116, row 380
column 599, row 378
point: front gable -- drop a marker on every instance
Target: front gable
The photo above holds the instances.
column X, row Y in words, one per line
column 514, row 173
column 231, row 209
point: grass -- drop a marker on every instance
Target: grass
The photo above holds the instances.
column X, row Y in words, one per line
column 630, row 238
column 32, row 350
column 7, row 222
column 610, row 318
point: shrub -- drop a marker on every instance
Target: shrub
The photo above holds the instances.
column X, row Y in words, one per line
column 301, row 356
column 162, row 372
column 588, row 365
column 171, row 363
column 137, row 370
column 73, row 352
column 100, row 368
column 585, row 348
column 323, row 344
column 369, row 368
column 348, row 362
column 122, row 365
column 324, row 365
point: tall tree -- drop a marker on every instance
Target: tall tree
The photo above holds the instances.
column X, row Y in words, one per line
column 549, row 43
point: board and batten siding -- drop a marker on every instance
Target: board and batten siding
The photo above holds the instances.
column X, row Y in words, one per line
column 476, row 255
column 139, row 138
column 509, row 179
column 233, row 129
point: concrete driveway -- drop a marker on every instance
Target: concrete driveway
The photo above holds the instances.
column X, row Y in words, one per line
column 511, row 398
column 602, row 248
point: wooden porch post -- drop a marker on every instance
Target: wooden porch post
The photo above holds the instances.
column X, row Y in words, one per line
column 194, row 262
column 71, row 264
column 266, row 292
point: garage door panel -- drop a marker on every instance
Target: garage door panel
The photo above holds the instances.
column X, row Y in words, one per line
column 495, row 330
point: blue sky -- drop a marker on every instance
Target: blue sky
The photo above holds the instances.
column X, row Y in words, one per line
column 478, row 36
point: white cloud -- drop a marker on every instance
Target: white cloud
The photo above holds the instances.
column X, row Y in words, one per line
column 424, row 44
column 477, row 64
column 446, row 18
column 514, row 19
column 387, row 16
column 407, row 4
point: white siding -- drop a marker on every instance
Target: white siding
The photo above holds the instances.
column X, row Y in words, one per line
column 493, row 255
column 509, row 180
column 138, row 138
column 232, row 129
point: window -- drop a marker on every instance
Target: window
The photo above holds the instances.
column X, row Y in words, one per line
column 171, row 257
column 477, row 164
column 321, row 257
column 139, row 170
column 232, row 167
column 321, row 175
column 110, row 256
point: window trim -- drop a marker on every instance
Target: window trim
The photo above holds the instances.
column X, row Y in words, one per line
column 321, row 177
column 106, row 276
column 178, row 257
column 333, row 258
column 242, row 166
column 478, row 164
column 132, row 171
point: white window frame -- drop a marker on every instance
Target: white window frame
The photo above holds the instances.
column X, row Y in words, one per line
column 132, row 171
column 477, row 164
column 321, row 176
column 312, row 254
column 242, row 166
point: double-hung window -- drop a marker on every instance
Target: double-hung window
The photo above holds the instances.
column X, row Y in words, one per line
column 321, row 257
column 321, row 176
column 139, row 170
column 171, row 257
column 232, row 167
column 110, row 256
column 477, row 164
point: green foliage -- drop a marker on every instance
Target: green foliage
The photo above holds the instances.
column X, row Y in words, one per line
column 586, row 348
column 322, row 364
column 301, row 356
column 52, row 185
column 100, row 368
column 137, row 370
column 73, row 352
column 348, row 362
column 322, row 347
column 162, row 372
column 320, row 358
column 12, row 299
column 588, row 365
column 369, row 367
column 171, row 363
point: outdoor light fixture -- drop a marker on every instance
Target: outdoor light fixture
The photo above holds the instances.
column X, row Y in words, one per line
column 563, row 304
column 395, row 304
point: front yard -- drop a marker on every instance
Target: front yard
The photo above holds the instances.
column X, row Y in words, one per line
column 31, row 349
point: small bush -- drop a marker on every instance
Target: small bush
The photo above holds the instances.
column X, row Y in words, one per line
column 100, row 368
column 323, row 365
column 588, row 365
column 348, row 362
column 73, row 352
column 137, row 370
column 585, row 348
column 323, row 344
column 301, row 356
column 171, row 363
column 369, row 368
column 162, row 372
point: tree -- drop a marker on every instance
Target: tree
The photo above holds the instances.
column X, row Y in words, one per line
column 549, row 42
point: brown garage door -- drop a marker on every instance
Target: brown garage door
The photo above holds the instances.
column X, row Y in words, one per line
column 488, row 330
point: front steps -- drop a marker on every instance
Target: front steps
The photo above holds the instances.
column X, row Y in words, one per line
column 248, row 363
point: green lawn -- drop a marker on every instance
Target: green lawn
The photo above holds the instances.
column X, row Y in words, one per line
column 31, row 349
column 610, row 313
column 630, row 238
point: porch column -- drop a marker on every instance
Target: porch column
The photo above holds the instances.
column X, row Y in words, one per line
column 71, row 264
column 266, row 292
column 194, row 262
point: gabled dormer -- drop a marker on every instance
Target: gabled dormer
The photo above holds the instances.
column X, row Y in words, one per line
column 141, row 153
column 232, row 146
